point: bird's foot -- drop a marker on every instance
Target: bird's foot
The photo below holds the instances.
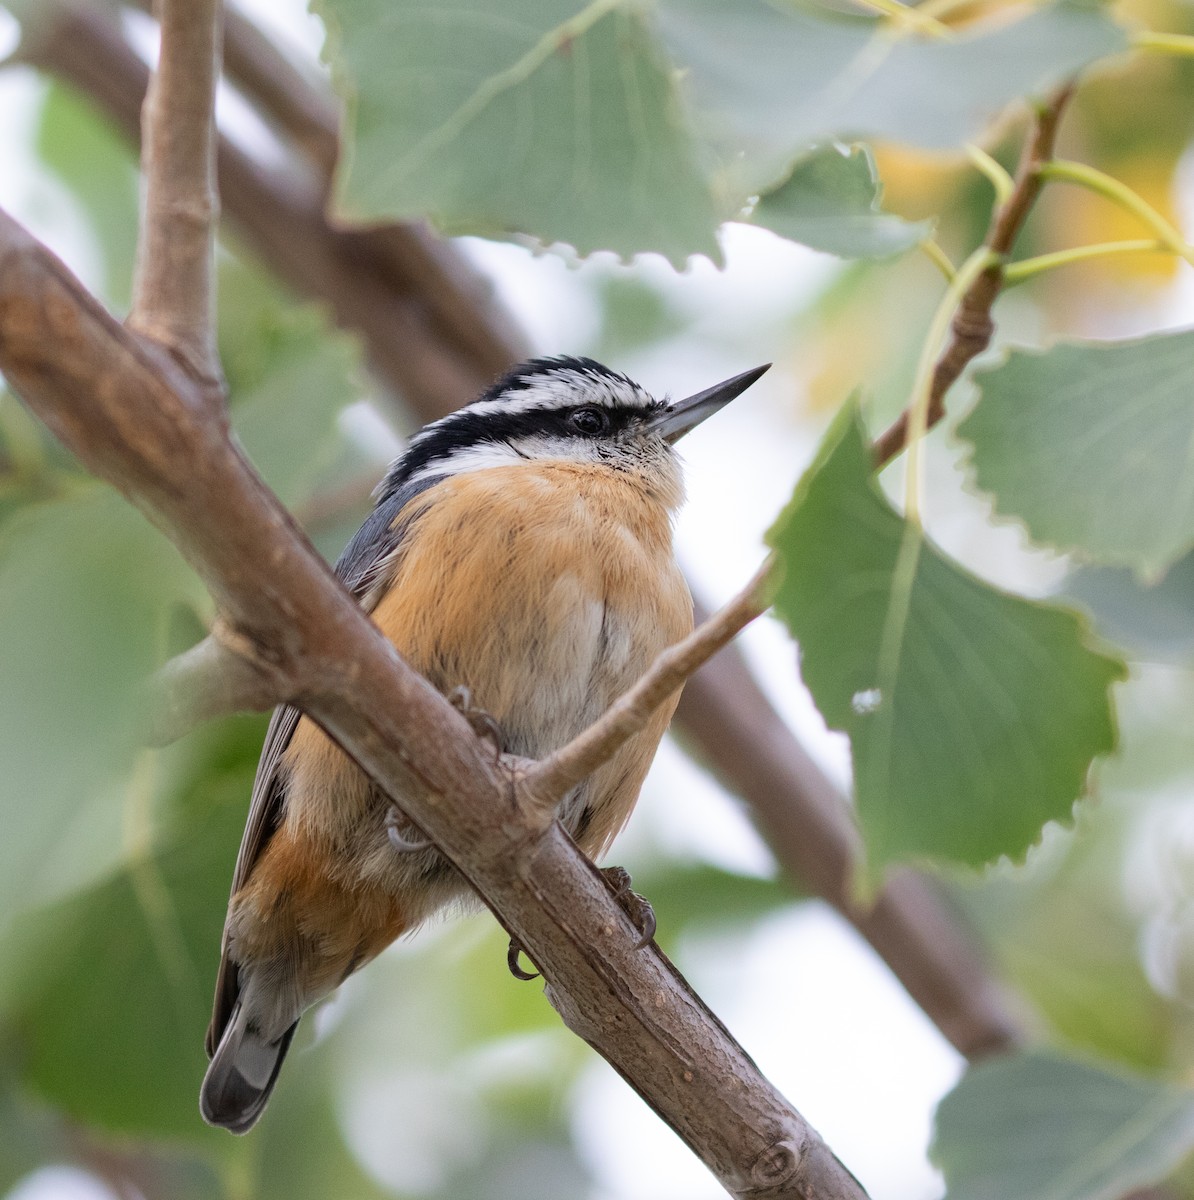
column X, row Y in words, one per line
column 515, row 966
column 636, row 907
column 399, row 828
column 483, row 725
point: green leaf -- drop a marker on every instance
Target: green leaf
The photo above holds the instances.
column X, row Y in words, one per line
column 768, row 79
column 634, row 314
column 831, row 202
column 1050, row 1128
column 26, row 1134
column 139, row 952
column 289, row 377
column 300, row 1149
column 86, row 585
column 1088, row 443
column 543, row 117
column 973, row 715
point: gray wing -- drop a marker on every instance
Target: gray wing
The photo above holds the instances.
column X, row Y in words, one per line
column 361, row 566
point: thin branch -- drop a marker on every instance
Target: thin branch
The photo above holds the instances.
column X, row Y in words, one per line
column 972, row 325
column 173, row 296
column 207, row 681
column 135, row 420
column 550, row 780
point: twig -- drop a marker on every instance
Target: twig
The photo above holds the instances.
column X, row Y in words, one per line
column 972, row 326
column 173, row 297
column 209, row 680
column 135, row 420
column 550, row 780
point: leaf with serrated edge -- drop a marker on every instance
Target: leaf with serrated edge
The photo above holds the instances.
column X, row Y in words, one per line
column 541, row 117
column 1054, row 1128
column 766, row 80
column 831, row 202
column 973, row 714
column 1091, row 445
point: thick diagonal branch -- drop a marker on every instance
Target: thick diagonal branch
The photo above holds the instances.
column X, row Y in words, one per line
column 173, row 297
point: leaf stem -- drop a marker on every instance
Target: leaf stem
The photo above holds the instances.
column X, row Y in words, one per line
column 931, row 249
column 918, row 405
column 1026, row 268
column 907, row 18
column 1001, row 181
column 1119, row 193
column 936, row 9
column 1165, row 43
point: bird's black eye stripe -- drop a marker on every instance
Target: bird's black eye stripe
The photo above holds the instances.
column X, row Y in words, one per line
column 467, row 428
column 590, row 421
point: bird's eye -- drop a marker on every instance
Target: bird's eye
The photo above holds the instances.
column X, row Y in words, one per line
column 589, row 421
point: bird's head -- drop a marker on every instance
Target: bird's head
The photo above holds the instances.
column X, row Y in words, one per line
column 571, row 409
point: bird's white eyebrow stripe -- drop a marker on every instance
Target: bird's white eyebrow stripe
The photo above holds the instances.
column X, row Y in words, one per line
column 545, row 392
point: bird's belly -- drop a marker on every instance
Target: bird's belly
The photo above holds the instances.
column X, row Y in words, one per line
column 545, row 627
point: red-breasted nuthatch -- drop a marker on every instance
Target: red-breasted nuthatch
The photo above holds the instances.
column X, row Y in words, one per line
column 520, row 555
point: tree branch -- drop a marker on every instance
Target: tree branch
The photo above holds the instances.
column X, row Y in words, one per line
column 173, row 297
column 208, row 680
column 972, row 325
column 298, row 109
column 136, row 420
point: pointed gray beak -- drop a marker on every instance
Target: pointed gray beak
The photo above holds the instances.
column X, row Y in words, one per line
column 677, row 419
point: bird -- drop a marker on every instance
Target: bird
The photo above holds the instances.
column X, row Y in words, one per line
column 520, row 556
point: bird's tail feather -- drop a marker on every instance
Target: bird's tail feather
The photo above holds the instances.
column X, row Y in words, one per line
column 242, row 1074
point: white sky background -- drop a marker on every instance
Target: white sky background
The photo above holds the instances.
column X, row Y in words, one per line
column 820, row 1013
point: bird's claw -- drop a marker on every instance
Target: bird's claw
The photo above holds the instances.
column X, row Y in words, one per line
column 483, row 725
column 397, row 823
column 636, row 907
column 512, row 962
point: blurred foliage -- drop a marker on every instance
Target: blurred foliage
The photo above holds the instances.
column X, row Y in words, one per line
column 626, row 127
column 1041, row 1125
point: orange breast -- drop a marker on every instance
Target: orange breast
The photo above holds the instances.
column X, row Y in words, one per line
column 544, row 588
